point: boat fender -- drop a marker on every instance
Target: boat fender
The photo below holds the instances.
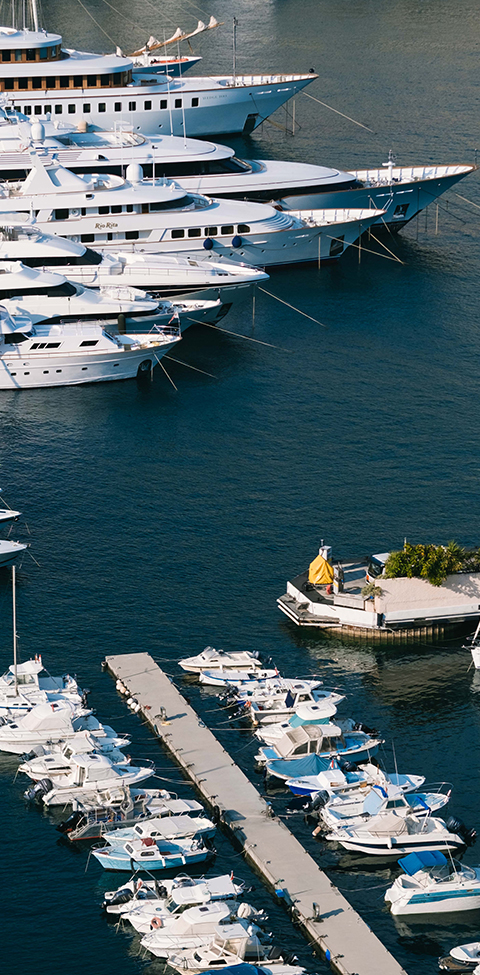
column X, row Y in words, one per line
column 389, row 842
column 237, row 241
column 208, row 243
column 216, row 815
column 156, row 922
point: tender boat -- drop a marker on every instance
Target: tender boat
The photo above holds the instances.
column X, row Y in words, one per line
column 209, row 658
column 219, row 954
column 345, row 779
column 171, row 896
column 157, row 216
column 121, row 808
column 357, row 811
column 164, row 828
column 66, row 354
column 463, row 958
column 241, row 680
column 393, row 834
column 434, row 884
column 147, row 854
column 197, row 927
column 89, row 773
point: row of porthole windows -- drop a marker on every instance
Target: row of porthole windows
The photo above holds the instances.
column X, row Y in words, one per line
column 32, row 54
column 64, row 214
column 101, row 107
column 116, row 80
column 227, row 231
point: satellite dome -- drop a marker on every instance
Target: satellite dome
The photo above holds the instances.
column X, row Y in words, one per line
column 134, row 173
column 38, row 132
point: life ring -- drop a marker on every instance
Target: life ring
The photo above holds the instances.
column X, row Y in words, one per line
column 156, row 922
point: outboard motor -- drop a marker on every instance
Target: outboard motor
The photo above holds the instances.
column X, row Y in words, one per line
column 39, row 790
column 122, row 896
column 346, row 766
column 161, row 890
column 68, row 825
column 455, row 825
column 320, row 800
column 358, row 726
column 84, row 698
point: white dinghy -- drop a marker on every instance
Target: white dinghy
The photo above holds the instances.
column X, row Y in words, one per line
column 462, row 958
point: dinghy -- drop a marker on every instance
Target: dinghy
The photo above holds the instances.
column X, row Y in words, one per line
column 463, row 958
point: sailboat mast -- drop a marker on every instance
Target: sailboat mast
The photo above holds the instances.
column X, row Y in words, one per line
column 14, row 623
column 34, row 14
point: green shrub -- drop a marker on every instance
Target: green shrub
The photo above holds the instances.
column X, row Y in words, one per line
column 432, row 562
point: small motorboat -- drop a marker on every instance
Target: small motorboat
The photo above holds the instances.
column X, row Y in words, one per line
column 173, row 896
column 356, row 810
column 89, row 773
column 395, row 832
column 165, row 828
column 218, row 954
column 211, row 659
column 239, row 679
column 9, row 552
column 273, row 709
column 56, row 761
column 463, row 958
column 148, row 854
column 196, row 927
column 432, row 883
column 33, row 685
column 326, row 742
column 343, row 778
column 45, row 723
column 275, row 687
column 310, row 714
column 121, row 808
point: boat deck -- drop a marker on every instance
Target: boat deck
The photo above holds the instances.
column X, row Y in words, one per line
column 330, row 923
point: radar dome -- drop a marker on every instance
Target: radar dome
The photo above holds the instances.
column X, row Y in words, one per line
column 38, row 132
column 134, row 173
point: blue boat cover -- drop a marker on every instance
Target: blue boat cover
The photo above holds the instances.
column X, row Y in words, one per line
column 426, row 858
column 296, row 721
column 298, row 767
column 243, row 969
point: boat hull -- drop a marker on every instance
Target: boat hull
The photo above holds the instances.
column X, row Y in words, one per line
column 437, row 902
column 116, row 860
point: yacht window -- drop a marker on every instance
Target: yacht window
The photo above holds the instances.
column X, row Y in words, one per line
column 36, row 82
column 84, row 368
column 18, row 55
column 177, row 233
column 15, row 339
column 86, row 109
column 37, row 109
column 78, row 81
column 8, row 84
column 243, row 228
column 116, row 209
column 89, row 343
column 6, row 55
column 131, row 235
column 178, row 103
column 91, row 81
column 147, row 106
column 61, row 214
column 47, row 109
column 302, row 749
column 102, row 107
column 211, row 231
column 227, row 230
column 64, row 82
column 132, row 106
column 30, row 54
column 43, row 54
column 27, row 109
column 194, row 102
column 104, row 210
column 163, row 103
column 72, row 109
column 23, row 82
column 194, row 232
column 53, row 345
column 87, row 238
column 58, row 370
column 118, row 106
column 46, row 371
column 145, row 207
column 58, row 109
column 129, row 207
column 104, row 80
column 51, row 82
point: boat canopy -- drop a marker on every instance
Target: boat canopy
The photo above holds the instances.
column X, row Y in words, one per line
column 417, row 861
column 310, row 765
column 320, row 572
column 314, row 714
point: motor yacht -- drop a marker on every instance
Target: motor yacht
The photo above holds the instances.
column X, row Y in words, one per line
column 197, row 927
column 345, row 779
column 89, row 773
column 55, row 761
column 275, row 687
column 155, row 913
column 165, row 828
column 65, row 354
column 434, row 884
column 47, row 296
column 151, row 855
column 312, row 751
column 265, row 709
column 357, row 812
column 214, row 170
column 164, row 277
column 28, row 684
column 218, row 954
column 306, row 714
column 244, row 660
column 171, row 896
column 397, row 832
column 157, row 216
column 241, row 680
column 121, row 808
column 47, row 723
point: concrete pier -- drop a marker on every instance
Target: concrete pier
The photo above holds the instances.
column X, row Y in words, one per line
column 333, row 927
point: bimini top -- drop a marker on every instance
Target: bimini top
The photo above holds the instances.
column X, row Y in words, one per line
column 417, row 861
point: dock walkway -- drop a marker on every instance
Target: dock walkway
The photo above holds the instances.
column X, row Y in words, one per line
column 332, row 925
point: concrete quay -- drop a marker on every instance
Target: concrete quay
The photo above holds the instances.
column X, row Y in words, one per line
column 332, row 926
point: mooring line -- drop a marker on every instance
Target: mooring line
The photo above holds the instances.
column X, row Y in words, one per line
column 362, row 126
column 269, row 293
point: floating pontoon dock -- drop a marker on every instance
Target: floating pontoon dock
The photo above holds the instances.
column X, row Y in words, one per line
column 331, row 924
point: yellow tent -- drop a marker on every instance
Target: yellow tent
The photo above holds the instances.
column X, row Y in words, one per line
column 320, row 572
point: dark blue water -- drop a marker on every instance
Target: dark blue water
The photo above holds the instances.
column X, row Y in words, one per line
column 164, row 520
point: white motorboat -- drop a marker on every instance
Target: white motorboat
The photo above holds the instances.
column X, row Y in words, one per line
column 32, row 675
column 10, row 551
column 174, row 276
column 47, row 723
column 197, row 927
column 103, row 89
column 305, row 714
column 46, row 296
column 462, row 958
column 173, row 895
column 265, row 709
column 241, row 680
column 154, row 913
column 157, row 216
column 244, row 660
column 434, row 884
column 55, row 761
column 393, row 834
column 89, row 773
column 165, row 828
column 121, row 808
column 66, row 354
column 8, row 514
column 218, row 954
column 357, row 811
column 345, row 780
column 151, row 855
column 214, row 170
column 278, row 687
